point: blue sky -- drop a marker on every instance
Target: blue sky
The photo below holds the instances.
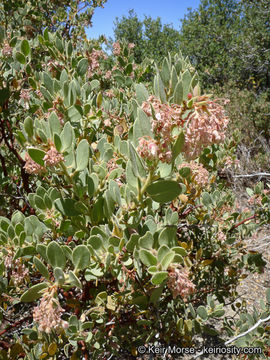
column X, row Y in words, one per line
column 170, row 12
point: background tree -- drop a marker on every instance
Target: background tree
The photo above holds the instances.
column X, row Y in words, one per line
column 229, row 40
column 151, row 38
column 252, row 47
column 208, row 36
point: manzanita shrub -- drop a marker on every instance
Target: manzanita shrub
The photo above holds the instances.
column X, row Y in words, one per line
column 127, row 235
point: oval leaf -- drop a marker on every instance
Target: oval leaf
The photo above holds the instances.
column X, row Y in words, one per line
column 163, row 191
column 147, row 258
column 82, row 155
column 41, row 268
column 33, row 293
column 159, row 277
column 81, row 257
column 37, row 155
column 55, row 255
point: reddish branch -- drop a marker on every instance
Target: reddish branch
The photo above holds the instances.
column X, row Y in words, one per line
column 189, row 210
column 242, row 222
column 15, row 325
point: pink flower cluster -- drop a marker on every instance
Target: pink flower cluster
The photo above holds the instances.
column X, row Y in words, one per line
column 18, row 269
column 94, row 59
column 179, row 283
column 52, row 157
column 205, row 126
column 148, row 148
column 53, row 67
column 108, row 75
column 32, row 167
column 48, row 313
column 116, row 48
column 200, row 174
column 230, row 162
column 131, row 45
column 7, row 50
column 166, row 117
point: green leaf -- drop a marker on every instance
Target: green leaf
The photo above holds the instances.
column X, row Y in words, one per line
column 32, row 83
column 95, row 241
column 130, row 176
column 101, row 298
column 67, row 136
column 128, row 69
column 69, row 48
column 59, row 45
column 137, row 166
column 152, row 269
column 82, row 67
column 178, row 93
column 82, row 155
column 2, row 34
column 41, row 268
column 167, row 260
column 66, row 207
column 156, row 294
column 164, row 191
column 20, row 57
column 174, row 79
column 141, row 93
column 99, row 100
column 195, row 80
column 25, row 47
column 28, row 126
column 81, row 207
column 133, row 242
column 92, row 184
column 115, row 192
column 165, row 72
column 162, row 251
column 54, row 123
column 37, row 155
column 168, row 237
column 185, row 172
column 178, row 146
column 179, row 250
column 13, row 41
column 218, row 313
column 59, row 275
column 55, row 255
column 33, row 293
column 159, row 277
column 73, row 279
column 97, row 212
column 159, row 88
column 146, row 241
column 57, row 142
column 186, row 81
column 64, row 77
column 206, row 199
column 39, row 202
column 202, row 312
column 141, row 127
column 94, row 84
column 147, row 258
column 81, row 257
